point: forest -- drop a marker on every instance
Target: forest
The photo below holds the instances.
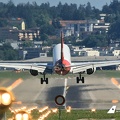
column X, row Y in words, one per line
column 39, row 16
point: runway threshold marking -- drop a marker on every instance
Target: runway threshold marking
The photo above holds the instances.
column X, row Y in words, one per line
column 115, row 82
column 15, row 84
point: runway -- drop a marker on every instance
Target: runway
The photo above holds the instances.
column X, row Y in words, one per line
column 97, row 92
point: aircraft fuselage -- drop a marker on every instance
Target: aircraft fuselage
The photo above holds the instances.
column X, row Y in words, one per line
column 61, row 66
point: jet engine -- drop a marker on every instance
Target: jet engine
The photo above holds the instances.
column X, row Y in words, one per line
column 33, row 72
column 91, row 70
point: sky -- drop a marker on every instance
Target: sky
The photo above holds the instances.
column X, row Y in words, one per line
column 97, row 3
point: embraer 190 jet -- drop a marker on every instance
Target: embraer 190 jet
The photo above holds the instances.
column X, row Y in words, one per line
column 61, row 64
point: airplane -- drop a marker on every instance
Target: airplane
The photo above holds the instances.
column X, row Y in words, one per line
column 61, row 64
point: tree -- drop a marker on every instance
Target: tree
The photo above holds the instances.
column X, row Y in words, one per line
column 11, row 9
column 47, row 29
column 56, row 23
column 106, row 9
column 95, row 41
column 27, row 44
column 67, row 11
column 88, row 10
column 2, row 57
column 3, row 22
column 114, row 31
column 82, row 12
column 8, row 53
column 44, row 37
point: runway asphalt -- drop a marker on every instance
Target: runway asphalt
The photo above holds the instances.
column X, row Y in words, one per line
column 97, row 92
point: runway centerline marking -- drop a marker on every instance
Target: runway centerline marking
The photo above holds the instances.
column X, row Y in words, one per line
column 65, row 90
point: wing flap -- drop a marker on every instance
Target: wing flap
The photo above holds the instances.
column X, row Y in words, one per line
column 80, row 67
column 40, row 68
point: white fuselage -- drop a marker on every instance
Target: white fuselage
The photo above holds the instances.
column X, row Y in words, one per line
column 57, row 53
column 61, row 59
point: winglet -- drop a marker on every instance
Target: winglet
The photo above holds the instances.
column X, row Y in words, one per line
column 112, row 109
column 62, row 42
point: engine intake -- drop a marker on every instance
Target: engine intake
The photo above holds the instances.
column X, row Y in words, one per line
column 90, row 71
column 33, row 72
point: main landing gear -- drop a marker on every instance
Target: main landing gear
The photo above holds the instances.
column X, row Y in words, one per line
column 44, row 80
column 80, row 78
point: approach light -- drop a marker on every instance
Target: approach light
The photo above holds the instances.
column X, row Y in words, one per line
column 6, row 99
column 18, row 116
column 22, row 115
column 68, row 109
column 54, row 110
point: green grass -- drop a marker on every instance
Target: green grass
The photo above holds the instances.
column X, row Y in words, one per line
column 108, row 73
column 12, row 75
column 25, row 74
column 83, row 114
column 74, row 115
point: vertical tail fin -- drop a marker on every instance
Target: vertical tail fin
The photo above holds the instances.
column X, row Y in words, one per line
column 62, row 42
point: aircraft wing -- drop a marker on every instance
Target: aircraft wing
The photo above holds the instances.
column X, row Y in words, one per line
column 83, row 66
column 40, row 67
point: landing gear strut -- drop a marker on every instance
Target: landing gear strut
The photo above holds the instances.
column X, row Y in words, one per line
column 80, row 78
column 44, row 79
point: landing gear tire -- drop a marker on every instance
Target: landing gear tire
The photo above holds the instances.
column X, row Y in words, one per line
column 42, row 81
column 83, row 80
column 46, row 80
column 78, row 79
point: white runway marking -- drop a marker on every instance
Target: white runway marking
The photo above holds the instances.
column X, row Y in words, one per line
column 115, row 82
column 15, row 84
column 64, row 92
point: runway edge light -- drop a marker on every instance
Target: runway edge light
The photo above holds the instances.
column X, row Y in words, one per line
column 6, row 99
column 93, row 110
column 68, row 109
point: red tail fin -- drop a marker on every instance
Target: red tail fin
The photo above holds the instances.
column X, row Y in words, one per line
column 62, row 42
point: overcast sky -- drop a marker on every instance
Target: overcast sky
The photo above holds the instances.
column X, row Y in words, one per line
column 97, row 3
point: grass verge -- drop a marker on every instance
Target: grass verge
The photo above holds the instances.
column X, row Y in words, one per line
column 75, row 115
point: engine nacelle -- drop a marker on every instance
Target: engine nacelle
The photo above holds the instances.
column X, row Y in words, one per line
column 33, row 72
column 90, row 71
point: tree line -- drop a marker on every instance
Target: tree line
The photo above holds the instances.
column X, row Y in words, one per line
column 39, row 16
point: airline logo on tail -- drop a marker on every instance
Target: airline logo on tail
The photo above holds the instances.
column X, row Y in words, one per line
column 112, row 109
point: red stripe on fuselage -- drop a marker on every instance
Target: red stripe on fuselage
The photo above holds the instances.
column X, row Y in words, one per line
column 62, row 71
